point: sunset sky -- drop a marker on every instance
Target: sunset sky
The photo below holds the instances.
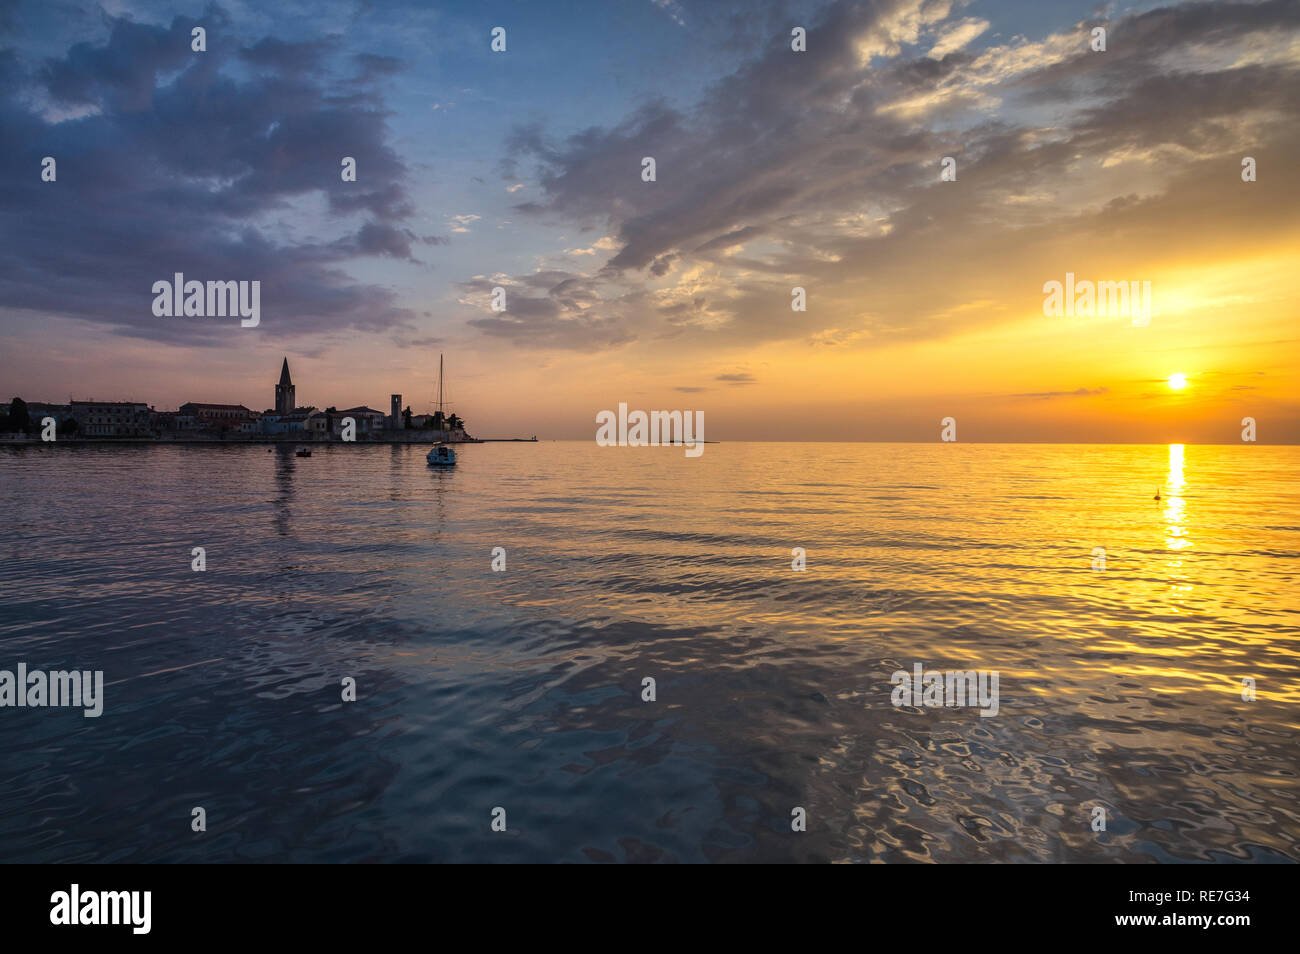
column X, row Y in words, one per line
column 775, row 169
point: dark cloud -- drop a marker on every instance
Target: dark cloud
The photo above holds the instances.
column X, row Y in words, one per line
column 662, row 265
column 7, row 10
column 168, row 163
column 377, row 239
column 375, row 66
column 275, row 54
column 730, row 240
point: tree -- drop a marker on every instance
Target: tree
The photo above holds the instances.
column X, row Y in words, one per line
column 70, row 426
column 454, row 423
column 406, row 418
column 18, row 417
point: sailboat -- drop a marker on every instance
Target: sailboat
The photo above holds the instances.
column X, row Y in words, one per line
column 441, row 455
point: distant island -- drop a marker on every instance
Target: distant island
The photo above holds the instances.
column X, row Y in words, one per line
column 198, row 422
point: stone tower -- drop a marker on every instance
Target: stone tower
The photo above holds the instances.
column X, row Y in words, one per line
column 285, row 399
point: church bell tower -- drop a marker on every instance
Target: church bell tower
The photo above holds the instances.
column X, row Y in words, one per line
column 285, row 400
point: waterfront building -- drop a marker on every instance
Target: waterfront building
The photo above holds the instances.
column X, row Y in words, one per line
column 368, row 420
column 160, row 422
column 293, row 422
column 36, row 410
column 216, row 417
column 316, row 424
column 111, row 418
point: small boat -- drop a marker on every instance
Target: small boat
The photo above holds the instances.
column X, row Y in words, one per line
column 302, row 452
column 441, row 456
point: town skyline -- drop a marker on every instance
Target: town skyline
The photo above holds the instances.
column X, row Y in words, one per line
column 80, row 419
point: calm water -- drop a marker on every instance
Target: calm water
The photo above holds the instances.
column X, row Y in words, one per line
column 521, row 689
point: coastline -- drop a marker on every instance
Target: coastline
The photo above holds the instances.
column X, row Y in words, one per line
column 410, row 437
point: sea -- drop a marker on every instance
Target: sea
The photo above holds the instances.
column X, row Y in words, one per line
column 560, row 652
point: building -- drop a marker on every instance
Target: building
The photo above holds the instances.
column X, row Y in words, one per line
column 161, row 422
column 294, row 422
column 286, row 400
column 317, row 424
column 111, row 418
column 369, row 421
column 395, row 420
column 39, row 410
column 215, row 417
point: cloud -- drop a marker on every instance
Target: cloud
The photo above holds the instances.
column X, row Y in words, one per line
column 957, row 36
column 375, row 66
column 600, row 245
column 672, row 8
column 377, row 239
column 1077, row 392
column 180, row 162
column 830, row 337
column 556, row 307
column 823, row 171
column 288, row 57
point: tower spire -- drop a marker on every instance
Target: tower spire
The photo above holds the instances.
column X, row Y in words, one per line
column 286, row 398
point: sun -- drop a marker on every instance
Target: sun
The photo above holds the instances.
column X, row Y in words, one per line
column 1178, row 381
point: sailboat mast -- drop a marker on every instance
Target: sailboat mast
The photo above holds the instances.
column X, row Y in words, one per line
column 441, row 416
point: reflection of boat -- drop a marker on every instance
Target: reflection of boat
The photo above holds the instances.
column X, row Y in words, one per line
column 441, row 456
column 302, row 452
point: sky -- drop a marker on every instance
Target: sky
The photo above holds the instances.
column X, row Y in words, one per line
column 775, row 169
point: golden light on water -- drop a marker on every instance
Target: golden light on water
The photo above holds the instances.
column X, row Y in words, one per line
column 1176, row 528
column 1175, row 506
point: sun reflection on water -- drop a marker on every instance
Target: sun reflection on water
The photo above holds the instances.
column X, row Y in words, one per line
column 1176, row 527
